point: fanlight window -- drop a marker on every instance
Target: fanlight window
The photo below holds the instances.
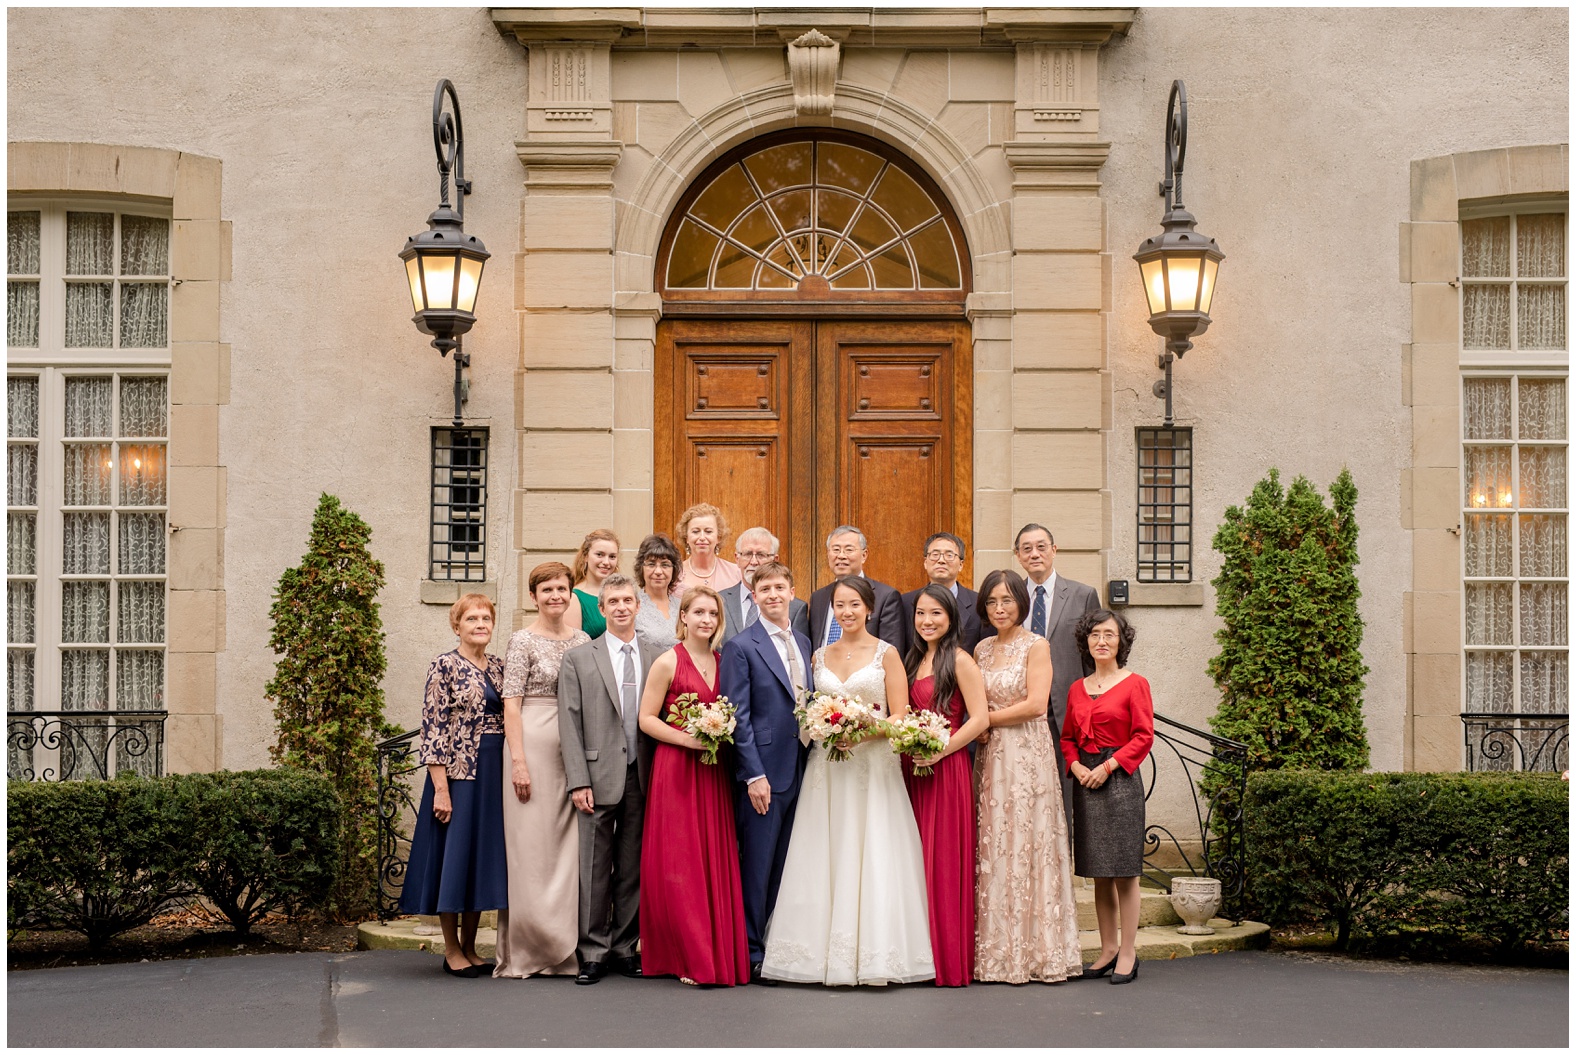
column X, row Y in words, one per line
column 785, row 213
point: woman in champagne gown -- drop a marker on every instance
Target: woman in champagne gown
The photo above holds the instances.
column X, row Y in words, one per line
column 1026, row 921
column 691, row 900
column 945, row 679
column 537, row 934
column 852, row 907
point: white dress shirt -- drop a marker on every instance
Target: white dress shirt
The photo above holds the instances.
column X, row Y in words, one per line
column 1050, row 599
column 615, row 651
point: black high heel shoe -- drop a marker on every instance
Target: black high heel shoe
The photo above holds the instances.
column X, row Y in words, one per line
column 468, row 971
column 1123, row 979
column 1091, row 971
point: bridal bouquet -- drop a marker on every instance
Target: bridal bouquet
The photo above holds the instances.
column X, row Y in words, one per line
column 829, row 719
column 711, row 722
column 919, row 734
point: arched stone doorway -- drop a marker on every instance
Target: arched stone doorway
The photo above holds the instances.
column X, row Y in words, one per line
column 813, row 366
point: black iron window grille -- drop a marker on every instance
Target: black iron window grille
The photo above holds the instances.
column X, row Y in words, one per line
column 458, row 547
column 1165, row 505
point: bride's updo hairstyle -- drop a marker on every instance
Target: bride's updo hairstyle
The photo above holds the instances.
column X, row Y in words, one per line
column 860, row 585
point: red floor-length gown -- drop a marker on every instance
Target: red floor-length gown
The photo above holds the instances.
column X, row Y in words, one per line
column 944, row 807
column 691, row 904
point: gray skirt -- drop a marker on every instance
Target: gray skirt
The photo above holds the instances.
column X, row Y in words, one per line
column 1108, row 822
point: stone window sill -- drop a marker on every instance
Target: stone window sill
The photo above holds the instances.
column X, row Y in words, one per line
column 446, row 593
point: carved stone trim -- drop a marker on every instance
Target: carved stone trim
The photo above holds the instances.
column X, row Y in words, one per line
column 812, row 67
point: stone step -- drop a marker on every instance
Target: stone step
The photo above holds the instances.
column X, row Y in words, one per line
column 1154, row 942
column 1154, row 907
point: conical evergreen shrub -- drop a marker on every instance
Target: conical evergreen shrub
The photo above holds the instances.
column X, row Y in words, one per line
column 1290, row 668
column 327, row 688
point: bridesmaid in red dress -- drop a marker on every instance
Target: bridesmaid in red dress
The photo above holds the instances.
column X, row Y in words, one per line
column 691, row 903
column 943, row 677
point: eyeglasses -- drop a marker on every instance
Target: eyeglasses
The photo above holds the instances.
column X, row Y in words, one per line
column 1105, row 635
column 842, row 551
column 654, row 563
column 1035, row 547
column 942, row 554
column 750, row 554
column 1000, row 602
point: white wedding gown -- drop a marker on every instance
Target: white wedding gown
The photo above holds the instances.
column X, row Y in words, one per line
column 852, row 909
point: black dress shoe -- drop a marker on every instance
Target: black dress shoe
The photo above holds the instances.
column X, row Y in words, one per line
column 591, row 973
column 468, row 971
column 1123, row 979
column 757, row 978
column 628, row 966
column 1090, row 971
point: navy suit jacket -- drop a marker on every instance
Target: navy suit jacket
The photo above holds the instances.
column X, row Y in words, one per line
column 766, row 736
column 884, row 621
column 968, row 616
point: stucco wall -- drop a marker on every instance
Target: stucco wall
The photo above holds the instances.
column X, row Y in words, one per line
column 1302, row 127
column 322, row 120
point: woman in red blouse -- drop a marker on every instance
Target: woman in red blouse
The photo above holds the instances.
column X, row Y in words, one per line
column 1108, row 732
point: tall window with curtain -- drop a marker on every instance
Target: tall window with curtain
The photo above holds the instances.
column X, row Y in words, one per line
column 87, row 502
column 1515, row 472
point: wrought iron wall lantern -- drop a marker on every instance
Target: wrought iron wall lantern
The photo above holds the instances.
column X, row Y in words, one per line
column 443, row 263
column 1179, row 265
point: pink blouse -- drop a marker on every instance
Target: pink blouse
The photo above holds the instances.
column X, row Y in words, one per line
column 1123, row 717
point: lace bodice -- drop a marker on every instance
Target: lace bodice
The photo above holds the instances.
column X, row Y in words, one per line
column 530, row 667
column 868, row 682
column 1006, row 673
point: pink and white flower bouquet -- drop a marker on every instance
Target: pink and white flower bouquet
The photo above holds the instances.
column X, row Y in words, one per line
column 831, row 719
column 711, row 722
column 919, row 734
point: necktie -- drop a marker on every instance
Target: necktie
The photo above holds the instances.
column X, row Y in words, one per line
column 751, row 613
column 794, row 675
column 835, row 634
column 631, row 708
column 1037, row 620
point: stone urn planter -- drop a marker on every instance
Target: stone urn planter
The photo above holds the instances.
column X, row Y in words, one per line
column 1196, row 899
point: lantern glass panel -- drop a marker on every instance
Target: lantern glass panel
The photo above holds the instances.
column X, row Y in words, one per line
column 470, row 283
column 437, row 272
column 1207, row 296
column 1154, row 284
column 413, row 275
column 1182, row 280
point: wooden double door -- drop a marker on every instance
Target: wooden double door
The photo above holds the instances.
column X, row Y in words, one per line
column 800, row 425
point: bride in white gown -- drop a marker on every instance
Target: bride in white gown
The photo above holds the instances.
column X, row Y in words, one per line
column 851, row 909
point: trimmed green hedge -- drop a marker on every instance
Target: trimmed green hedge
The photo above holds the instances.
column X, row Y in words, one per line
column 103, row 856
column 1469, row 855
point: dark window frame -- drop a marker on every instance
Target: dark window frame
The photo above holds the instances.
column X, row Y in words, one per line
column 457, row 539
column 1165, row 503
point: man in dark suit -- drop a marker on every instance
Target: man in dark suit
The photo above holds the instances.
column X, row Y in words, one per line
column 943, row 562
column 754, row 547
column 763, row 669
column 607, row 762
column 846, row 551
column 1055, row 606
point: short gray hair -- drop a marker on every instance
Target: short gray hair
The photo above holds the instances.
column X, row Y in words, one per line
column 761, row 533
column 616, row 581
column 848, row 529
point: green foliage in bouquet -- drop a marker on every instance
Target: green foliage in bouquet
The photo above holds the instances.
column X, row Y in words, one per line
column 327, row 686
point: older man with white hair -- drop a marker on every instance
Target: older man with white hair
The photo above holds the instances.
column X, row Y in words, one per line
column 846, row 552
column 754, row 547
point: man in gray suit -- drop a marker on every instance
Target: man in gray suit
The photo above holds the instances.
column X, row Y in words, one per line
column 754, row 547
column 1055, row 606
column 607, row 762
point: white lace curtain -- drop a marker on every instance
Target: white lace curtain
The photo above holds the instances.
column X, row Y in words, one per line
column 1524, row 466
column 1540, row 306
column 22, row 247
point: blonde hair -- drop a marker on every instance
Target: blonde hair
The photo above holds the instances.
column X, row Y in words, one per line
column 458, row 609
column 583, row 558
column 702, row 509
column 693, row 594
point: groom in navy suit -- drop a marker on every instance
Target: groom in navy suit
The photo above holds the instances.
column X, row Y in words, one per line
column 763, row 668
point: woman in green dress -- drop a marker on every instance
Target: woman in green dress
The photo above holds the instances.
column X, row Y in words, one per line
column 597, row 559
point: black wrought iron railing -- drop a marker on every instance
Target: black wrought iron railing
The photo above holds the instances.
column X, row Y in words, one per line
column 397, row 798
column 1529, row 743
column 1209, row 842
column 83, row 745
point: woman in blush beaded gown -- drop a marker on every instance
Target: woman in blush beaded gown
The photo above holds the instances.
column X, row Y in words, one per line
column 1026, row 921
